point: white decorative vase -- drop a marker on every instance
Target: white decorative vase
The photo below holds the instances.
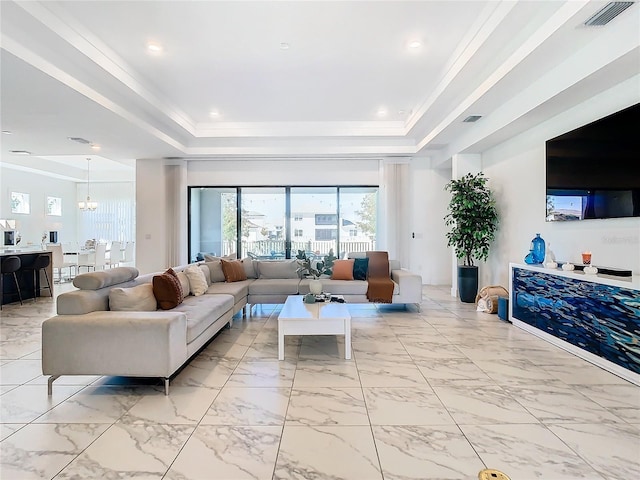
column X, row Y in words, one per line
column 315, row 287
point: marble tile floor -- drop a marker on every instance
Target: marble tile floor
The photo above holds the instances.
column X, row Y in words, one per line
column 437, row 394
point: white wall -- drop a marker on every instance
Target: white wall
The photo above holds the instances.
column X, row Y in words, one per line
column 430, row 256
column 152, row 219
column 32, row 226
column 516, row 169
column 283, row 172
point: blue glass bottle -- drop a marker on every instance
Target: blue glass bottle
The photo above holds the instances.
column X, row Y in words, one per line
column 529, row 259
column 538, row 248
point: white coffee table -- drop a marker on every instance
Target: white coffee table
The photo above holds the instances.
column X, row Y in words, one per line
column 322, row 318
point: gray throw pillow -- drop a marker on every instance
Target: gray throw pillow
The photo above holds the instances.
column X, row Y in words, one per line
column 215, row 271
column 278, row 269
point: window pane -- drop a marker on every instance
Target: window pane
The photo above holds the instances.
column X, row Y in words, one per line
column 263, row 222
column 213, row 222
column 358, row 219
column 316, row 220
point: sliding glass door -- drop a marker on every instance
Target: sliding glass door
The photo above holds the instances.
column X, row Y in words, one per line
column 213, row 222
column 314, row 220
column 358, row 219
column 263, row 220
column 277, row 222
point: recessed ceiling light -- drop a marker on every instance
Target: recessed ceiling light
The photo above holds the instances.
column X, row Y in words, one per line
column 154, row 47
column 284, row 46
column 19, row 152
column 382, row 112
column 95, row 147
column 7, row 132
column 414, row 44
column 214, row 113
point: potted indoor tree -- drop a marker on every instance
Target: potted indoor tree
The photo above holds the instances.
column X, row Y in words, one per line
column 473, row 222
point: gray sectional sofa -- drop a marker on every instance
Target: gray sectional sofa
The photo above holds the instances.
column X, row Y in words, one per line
column 88, row 337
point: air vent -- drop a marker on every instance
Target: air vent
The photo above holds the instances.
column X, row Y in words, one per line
column 607, row 13
column 472, row 118
column 84, row 141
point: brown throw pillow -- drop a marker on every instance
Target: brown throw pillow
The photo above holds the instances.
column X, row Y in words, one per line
column 172, row 272
column 342, row 270
column 233, row 270
column 167, row 290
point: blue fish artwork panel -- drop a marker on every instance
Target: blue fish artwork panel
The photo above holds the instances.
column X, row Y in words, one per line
column 601, row 319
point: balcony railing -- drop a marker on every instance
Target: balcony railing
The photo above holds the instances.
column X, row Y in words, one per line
column 274, row 249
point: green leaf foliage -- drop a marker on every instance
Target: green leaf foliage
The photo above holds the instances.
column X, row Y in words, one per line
column 472, row 217
column 313, row 266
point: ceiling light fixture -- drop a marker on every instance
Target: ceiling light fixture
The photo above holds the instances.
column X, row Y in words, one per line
column 154, row 47
column 95, row 146
column 414, row 44
column 214, row 113
column 284, row 46
column 19, row 152
column 382, row 112
column 88, row 205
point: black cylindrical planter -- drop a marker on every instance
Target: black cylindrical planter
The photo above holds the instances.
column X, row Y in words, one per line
column 467, row 283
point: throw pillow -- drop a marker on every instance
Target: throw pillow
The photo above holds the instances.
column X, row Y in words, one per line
column 343, row 270
column 233, row 271
column 249, row 270
column 360, row 268
column 167, row 290
column 278, row 269
column 135, row 299
column 207, row 273
column 197, row 280
column 184, row 283
column 170, row 271
column 215, row 270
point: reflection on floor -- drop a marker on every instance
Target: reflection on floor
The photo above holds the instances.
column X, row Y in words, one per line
column 439, row 394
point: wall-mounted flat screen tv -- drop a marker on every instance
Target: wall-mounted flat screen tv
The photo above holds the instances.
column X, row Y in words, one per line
column 594, row 171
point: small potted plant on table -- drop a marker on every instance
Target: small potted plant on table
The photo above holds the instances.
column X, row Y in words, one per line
column 310, row 267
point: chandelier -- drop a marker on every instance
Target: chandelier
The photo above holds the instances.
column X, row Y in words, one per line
column 88, row 205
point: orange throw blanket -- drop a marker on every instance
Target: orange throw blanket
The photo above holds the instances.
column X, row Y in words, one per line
column 380, row 288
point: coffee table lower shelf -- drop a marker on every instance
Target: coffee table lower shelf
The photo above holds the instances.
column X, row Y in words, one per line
column 299, row 318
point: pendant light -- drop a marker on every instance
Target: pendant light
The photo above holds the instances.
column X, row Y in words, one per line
column 88, row 205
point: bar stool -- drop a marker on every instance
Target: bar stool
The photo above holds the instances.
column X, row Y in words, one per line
column 40, row 263
column 10, row 265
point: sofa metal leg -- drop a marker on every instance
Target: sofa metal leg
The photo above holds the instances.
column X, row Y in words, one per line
column 50, row 381
column 166, row 386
